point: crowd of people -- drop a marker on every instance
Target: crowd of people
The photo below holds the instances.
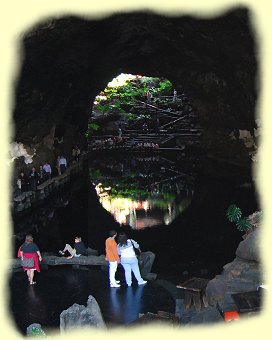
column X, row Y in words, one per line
column 123, row 252
column 29, row 181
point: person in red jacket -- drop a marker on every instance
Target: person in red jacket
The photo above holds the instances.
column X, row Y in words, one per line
column 30, row 250
column 113, row 258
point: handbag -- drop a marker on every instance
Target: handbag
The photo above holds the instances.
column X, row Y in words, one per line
column 28, row 262
column 137, row 251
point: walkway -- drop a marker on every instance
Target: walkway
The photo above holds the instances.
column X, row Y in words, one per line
column 59, row 288
column 32, row 199
column 166, row 128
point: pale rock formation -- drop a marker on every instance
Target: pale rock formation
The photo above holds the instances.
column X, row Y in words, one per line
column 78, row 316
column 17, row 150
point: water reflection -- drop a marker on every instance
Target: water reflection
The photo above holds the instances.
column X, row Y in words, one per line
column 142, row 191
column 132, row 303
column 142, row 213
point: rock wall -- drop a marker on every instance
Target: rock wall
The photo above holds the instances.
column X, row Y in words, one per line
column 68, row 61
column 241, row 275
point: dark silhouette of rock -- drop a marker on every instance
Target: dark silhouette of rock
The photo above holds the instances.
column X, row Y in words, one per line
column 249, row 248
column 146, row 260
column 78, row 316
column 241, row 275
column 215, row 91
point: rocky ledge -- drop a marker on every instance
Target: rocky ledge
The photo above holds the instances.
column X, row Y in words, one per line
column 243, row 274
column 145, row 259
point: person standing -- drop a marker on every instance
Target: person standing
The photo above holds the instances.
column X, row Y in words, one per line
column 29, row 252
column 22, row 182
column 58, row 166
column 113, row 258
column 128, row 258
column 148, row 96
column 175, row 95
column 74, row 155
column 33, row 179
column 62, row 164
column 42, row 174
column 48, row 170
column 77, row 153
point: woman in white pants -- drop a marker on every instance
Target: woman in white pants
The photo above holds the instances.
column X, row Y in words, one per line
column 128, row 259
column 113, row 258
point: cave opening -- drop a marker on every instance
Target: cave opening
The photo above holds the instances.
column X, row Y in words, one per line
column 141, row 115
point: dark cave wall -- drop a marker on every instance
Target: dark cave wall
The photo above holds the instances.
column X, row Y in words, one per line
column 68, row 61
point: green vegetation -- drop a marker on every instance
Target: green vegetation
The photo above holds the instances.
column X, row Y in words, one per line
column 121, row 95
column 35, row 331
column 95, row 174
column 125, row 188
column 165, row 86
column 243, row 224
column 91, row 128
column 234, row 214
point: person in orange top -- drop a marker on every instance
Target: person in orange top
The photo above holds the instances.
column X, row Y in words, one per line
column 113, row 258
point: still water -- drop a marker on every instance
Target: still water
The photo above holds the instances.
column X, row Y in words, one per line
column 143, row 190
column 171, row 208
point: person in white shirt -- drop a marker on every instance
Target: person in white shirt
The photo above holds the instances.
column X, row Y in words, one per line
column 128, row 258
column 62, row 164
column 48, row 170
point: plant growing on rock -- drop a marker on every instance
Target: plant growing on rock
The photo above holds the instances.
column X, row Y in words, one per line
column 91, row 128
column 234, row 214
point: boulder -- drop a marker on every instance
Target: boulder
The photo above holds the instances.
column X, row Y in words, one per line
column 215, row 291
column 35, row 329
column 146, row 260
column 249, row 248
column 238, row 276
column 78, row 316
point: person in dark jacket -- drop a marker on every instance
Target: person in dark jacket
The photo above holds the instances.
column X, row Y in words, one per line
column 78, row 250
column 33, row 179
column 22, row 182
column 42, row 174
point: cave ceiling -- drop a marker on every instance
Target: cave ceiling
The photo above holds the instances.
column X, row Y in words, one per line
column 67, row 61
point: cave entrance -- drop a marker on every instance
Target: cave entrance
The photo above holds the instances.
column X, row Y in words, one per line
column 139, row 133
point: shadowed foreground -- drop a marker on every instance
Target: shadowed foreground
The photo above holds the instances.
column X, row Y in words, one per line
column 59, row 288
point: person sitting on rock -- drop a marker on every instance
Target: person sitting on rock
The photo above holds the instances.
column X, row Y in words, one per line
column 78, row 250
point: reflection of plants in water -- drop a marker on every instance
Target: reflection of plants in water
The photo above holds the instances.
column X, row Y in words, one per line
column 168, row 196
column 124, row 209
column 126, row 187
column 133, row 189
column 163, row 203
column 128, row 192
